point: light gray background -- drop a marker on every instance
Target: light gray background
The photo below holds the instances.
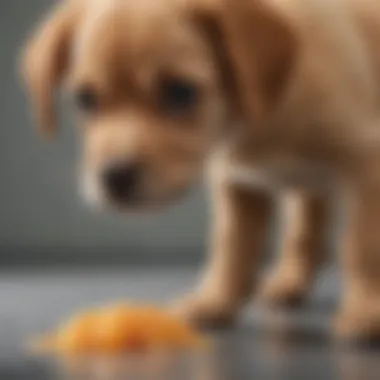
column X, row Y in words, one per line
column 42, row 218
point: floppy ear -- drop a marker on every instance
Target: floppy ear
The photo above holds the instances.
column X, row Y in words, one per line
column 44, row 63
column 256, row 47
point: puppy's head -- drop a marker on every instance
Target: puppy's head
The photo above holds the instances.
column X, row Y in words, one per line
column 155, row 83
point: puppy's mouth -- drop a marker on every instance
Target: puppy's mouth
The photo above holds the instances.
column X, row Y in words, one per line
column 141, row 201
column 129, row 194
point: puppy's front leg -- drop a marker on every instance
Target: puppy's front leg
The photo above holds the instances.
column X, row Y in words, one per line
column 359, row 317
column 241, row 218
column 302, row 253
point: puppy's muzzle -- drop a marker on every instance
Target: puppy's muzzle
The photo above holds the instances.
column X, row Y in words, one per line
column 122, row 181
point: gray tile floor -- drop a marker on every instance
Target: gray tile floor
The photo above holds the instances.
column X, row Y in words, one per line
column 263, row 346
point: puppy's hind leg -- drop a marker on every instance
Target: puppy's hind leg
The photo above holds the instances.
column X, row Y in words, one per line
column 359, row 317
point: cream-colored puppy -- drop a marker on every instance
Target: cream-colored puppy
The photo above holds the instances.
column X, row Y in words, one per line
column 275, row 96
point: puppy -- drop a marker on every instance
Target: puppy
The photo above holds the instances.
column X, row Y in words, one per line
column 276, row 98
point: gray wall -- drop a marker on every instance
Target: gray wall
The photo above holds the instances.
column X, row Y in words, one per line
column 42, row 219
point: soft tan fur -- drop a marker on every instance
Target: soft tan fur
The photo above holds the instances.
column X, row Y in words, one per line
column 289, row 107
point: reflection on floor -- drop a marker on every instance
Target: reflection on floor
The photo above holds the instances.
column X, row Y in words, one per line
column 264, row 346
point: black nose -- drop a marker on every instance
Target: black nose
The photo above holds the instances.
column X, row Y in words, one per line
column 121, row 180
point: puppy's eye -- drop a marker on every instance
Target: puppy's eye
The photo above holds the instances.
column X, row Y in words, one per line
column 86, row 100
column 178, row 96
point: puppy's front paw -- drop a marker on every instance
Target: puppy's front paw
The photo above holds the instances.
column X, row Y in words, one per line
column 360, row 324
column 206, row 312
column 281, row 292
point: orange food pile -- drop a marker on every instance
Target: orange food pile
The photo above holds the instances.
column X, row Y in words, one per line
column 120, row 329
